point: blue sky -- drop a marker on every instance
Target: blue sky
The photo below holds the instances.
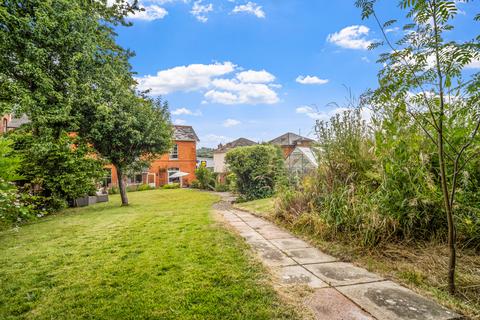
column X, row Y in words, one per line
column 258, row 69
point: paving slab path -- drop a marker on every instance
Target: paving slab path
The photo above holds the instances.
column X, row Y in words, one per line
column 342, row 291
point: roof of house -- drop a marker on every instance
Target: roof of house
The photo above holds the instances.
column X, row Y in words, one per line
column 184, row 133
column 17, row 122
column 241, row 142
column 289, row 139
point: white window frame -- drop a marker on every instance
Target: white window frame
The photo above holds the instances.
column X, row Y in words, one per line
column 174, row 152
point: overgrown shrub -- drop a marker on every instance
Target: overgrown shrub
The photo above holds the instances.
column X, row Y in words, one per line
column 376, row 183
column 205, row 178
column 259, row 170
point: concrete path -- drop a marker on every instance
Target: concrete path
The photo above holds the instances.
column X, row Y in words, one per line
column 341, row 290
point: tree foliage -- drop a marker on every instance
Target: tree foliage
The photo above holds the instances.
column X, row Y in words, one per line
column 127, row 130
column 259, row 170
column 56, row 171
column 12, row 210
column 54, row 55
column 422, row 78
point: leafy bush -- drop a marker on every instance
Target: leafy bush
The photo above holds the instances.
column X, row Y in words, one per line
column 205, row 178
column 58, row 169
column 259, row 170
column 195, row 184
column 13, row 206
column 145, row 187
column 171, row 186
column 221, row 187
column 113, row 190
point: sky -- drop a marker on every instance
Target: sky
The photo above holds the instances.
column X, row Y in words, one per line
column 258, row 69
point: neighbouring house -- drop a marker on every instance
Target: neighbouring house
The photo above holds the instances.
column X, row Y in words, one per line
column 289, row 141
column 10, row 122
column 219, row 154
column 176, row 167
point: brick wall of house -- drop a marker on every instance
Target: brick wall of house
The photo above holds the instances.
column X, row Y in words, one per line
column 186, row 162
column 4, row 120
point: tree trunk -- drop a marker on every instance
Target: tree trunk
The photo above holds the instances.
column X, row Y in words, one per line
column 122, row 186
column 449, row 211
column 441, row 159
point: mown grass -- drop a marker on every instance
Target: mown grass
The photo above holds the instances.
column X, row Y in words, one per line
column 420, row 266
column 163, row 257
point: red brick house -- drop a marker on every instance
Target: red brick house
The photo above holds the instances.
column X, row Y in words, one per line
column 176, row 167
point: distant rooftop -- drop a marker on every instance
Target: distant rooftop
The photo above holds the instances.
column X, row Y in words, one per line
column 241, row 142
column 184, row 133
column 289, row 139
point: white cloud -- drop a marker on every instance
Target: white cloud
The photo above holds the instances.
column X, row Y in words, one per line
column 246, row 87
column 213, row 140
column 352, row 37
column 365, row 59
column 185, row 111
column 184, row 78
column 250, row 8
column 200, row 10
column 311, row 80
column 179, row 122
column 474, row 64
column 233, row 91
column 231, row 123
column 252, row 76
column 149, row 13
column 326, row 115
column 390, row 30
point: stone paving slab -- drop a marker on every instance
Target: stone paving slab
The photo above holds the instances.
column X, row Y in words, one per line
column 270, row 255
column 256, row 223
column 243, row 215
column 231, row 218
column 341, row 273
column 250, row 236
column 270, row 232
column 298, row 275
column 309, row 255
column 387, row 300
column 290, row 243
column 346, row 292
column 241, row 226
column 329, row 304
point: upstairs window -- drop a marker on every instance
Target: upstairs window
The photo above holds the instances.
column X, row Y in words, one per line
column 174, row 152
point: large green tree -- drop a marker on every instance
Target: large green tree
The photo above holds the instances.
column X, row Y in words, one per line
column 127, row 130
column 53, row 54
column 423, row 79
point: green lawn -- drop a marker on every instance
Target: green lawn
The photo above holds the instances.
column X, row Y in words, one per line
column 261, row 207
column 163, row 257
